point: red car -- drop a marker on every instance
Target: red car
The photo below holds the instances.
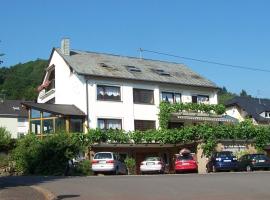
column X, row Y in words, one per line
column 185, row 163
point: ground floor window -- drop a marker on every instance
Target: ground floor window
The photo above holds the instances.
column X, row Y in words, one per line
column 143, row 125
column 48, row 126
column 109, row 123
column 42, row 122
column 76, row 125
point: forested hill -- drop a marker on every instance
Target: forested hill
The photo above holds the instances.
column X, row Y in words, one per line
column 21, row 81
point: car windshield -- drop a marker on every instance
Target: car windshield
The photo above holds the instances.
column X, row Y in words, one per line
column 224, row 154
column 185, row 157
column 152, row 159
column 260, row 157
column 103, row 156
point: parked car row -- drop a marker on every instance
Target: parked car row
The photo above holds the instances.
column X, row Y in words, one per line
column 226, row 161
column 108, row 162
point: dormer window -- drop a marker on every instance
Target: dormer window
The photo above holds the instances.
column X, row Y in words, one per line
column 133, row 69
column 104, row 65
column 162, row 72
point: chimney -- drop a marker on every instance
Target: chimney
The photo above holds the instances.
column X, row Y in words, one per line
column 65, row 46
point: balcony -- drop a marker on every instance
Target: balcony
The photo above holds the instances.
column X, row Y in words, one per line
column 47, row 90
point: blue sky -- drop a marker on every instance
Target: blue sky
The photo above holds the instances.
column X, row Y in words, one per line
column 226, row 31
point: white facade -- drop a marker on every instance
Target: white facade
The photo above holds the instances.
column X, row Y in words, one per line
column 16, row 126
column 236, row 112
column 71, row 88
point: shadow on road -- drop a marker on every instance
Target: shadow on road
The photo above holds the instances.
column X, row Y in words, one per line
column 67, row 196
column 14, row 181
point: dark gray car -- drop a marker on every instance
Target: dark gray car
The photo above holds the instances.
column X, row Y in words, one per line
column 251, row 162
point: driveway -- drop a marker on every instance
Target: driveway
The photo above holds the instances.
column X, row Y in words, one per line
column 219, row 186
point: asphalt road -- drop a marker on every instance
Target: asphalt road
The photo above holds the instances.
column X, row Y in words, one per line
column 219, row 186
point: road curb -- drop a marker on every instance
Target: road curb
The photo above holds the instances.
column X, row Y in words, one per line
column 46, row 193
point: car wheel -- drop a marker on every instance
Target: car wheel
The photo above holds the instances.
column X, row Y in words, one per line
column 248, row 168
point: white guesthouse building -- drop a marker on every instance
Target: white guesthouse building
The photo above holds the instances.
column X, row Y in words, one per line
column 117, row 91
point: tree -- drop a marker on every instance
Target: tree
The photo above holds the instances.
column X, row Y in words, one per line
column 243, row 93
column 1, row 54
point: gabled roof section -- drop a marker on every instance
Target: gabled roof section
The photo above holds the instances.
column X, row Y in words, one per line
column 60, row 109
column 88, row 63
column 12, row 108
column 253, row 106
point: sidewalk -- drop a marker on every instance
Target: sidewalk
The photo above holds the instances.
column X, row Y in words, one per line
column 21, row 192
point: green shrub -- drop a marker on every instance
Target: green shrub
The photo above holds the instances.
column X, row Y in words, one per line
column 47, row 156
column 26, row 154
column 83, row 168
column 5, row 139
column 4, row 160
column 131, row 165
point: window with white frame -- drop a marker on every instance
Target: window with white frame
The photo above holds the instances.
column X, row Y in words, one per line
column 200, row 99
column 108, row 93
column 109, row 123
column 171, row 97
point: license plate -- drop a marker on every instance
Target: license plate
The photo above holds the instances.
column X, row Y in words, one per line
column 261, row 160
column 185, row 163
column 102, row 162
column 150, row 163
column 226, row 160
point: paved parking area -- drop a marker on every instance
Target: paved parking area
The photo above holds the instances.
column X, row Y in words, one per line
column 219, row 186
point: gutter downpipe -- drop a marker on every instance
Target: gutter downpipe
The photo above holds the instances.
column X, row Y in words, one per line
column 87, row 104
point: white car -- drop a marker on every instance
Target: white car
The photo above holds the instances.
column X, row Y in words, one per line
column 152, row 165
column 108, row 162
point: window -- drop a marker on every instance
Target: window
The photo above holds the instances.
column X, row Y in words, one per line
column 35, row 113
column 200, row 99
column 161, row 72
column 143, row 125
column 110, row 124
column 143, row 96
column 76, row 125
column 35, row 127
column 48, row 126
column 109, row 93
column 60, row 124
column 133, row 69
column 171, row 97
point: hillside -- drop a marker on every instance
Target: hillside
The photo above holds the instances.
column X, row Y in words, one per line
column 20, row 81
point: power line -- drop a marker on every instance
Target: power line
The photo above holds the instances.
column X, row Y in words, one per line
column 208, row 61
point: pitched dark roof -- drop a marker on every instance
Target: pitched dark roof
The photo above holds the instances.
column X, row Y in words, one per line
column 253, row 106
column 12, row 108
column 115, row 66
column 58, row 109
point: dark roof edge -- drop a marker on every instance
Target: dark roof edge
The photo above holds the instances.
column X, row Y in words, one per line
column 42, row 109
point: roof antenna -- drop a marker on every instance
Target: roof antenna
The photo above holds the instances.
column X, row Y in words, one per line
column 141, row 50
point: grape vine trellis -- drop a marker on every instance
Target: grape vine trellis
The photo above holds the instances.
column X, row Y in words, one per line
column 208, row 134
